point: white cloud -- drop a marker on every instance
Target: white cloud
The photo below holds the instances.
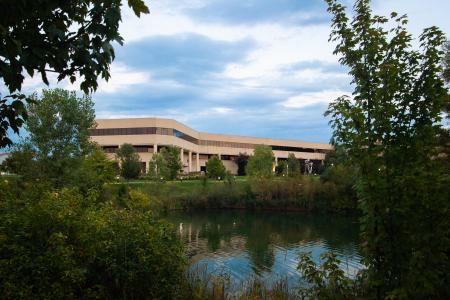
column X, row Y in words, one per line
column 221, row 110
column 308, row 99
column 122, row 77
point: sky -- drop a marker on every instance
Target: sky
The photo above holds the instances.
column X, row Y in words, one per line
column 259, row 68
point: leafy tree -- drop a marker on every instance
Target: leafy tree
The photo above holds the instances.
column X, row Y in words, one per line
column 340, row 172
column 241, row 161
column 130, row 163
column 22, row 161
column 281, row 168
column 96, row 170
column 66, row 38
column 446, row 62
column 215, row 168
column 260, row 164
column 390, row 128
column 293, row 165
column 158, row 167
column 171, row 155
column 58, row 127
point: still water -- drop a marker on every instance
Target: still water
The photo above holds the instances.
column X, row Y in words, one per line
column 248, row 244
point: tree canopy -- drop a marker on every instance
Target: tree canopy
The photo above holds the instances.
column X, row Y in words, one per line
column 158, row 168
column 130, row 163
column 293, row 165
column 171, row 155
column 241, row 161
column 215, row 168
column 390, row 127
column 71, row 39
column 260, row 164
column 58, row 127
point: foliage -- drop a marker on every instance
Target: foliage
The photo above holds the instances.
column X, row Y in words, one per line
column 171, row 155
column 293, row 165
column 390, row 128
column 303, row 193
column 204, row 285
column 260, row 164
column 342, row 175
column 215, row 168
column 130, row 165
column 327, row 281
column 241, row 162
column 13, row 115
column 446, row 62
column 61, row 37
column 22, row 160
column 446, row 77
column 158, row 168
column 281, row 168
column 96, row 170
column 63, row 245
column 58, row 127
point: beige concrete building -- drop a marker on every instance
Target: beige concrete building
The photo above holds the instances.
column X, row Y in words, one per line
column 149, row 135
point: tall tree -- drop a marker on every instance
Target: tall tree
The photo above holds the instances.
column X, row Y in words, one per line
column 96, row 169
column 241, row 162
column 293, row 165
column 58, row 127
column 130, row 163
column 390, row 128
column 171, row 155
column 260, row 164
column 68, row 38
column 158, row 167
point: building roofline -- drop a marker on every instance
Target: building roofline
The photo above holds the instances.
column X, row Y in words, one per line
column 200, row 133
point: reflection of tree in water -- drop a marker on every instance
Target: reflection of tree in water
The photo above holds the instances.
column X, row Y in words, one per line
column 257, row 232
column 258, row 244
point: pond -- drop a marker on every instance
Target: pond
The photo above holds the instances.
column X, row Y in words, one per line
column 264, row 244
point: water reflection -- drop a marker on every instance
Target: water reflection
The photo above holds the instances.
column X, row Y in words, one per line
column 264, row 244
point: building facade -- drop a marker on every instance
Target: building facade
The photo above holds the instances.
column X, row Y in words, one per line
column 150, row 135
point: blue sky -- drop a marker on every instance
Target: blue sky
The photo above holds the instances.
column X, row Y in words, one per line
column 256, row 67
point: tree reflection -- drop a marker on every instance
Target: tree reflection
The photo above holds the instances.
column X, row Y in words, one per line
column 260, row 234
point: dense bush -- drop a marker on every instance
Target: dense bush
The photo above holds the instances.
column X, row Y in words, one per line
column 215, row 168
column 260, row 164
column 62, row 245
column 299, row 193
column 130, row 165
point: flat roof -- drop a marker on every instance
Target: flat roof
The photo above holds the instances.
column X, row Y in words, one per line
column 171, row 123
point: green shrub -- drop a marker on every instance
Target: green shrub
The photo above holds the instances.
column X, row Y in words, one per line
column 62, row 245
column 215, row 168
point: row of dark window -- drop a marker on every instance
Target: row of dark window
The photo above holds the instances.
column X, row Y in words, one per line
column 227, row 144
column 140, row 149
column 297, row 149
column 186, row 137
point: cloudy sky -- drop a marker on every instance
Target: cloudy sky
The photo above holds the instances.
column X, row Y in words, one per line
column 249, row 67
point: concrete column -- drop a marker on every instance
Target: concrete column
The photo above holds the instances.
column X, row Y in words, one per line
column 190, row 162
column 182, row 158
column 276, row 164
column 155, row 148
column 219, row 155
column 198, row 162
